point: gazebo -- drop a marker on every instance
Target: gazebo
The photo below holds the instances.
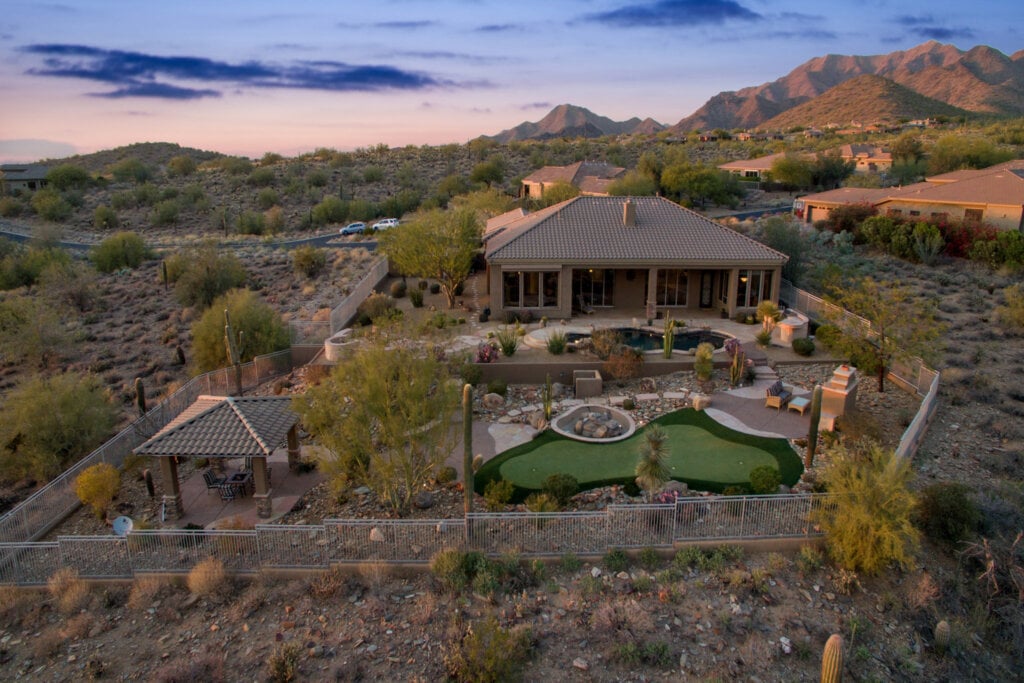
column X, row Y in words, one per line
column 225, row 427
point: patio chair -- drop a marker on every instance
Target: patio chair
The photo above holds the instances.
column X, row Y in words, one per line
column 213, row 482
column 227, row 492
column 584, row 306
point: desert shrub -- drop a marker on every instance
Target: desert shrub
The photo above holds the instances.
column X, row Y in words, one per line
column 261, row 177
column 309, row 260
column 208, row 578
column 131, row 170
column 828, row 335
column 435, row 287
column 456, row 569
column 561, row 487
column 181, row 165
column 50, row 205
column 1012, row 313
column 628, row 404
column 497, row 386
column 206, row 668
column 947, row 513
column 849, row 216
column 556, row 343
column 97, row 485
column 398, row 289
column 165, row 212
column 50, row 422
column 10, row 207
column 615, row 560
column 703, row 364
column 869, row 525
column 447, row 475
column 266, row 198
column 803, row 346
column 605, row 342
column 121, row 250
column 104, row 217
column 204, row 273
column 471, row 373
column 488, row 653
column 68, row 590
column 416, row 298
column 330, row 210
column 251, row 223
column 498, row 493
column 376, row 308
column 317, row 178
column 635, row 654
column 765, row 479
column 810, row 559
column 508, row 340
column 626, row 364
column 486, row 353
column 541, row 502
column 283, row 662
column 258, row 326
column 763, row 338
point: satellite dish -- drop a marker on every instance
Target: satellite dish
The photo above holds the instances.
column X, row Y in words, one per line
column 122, row 525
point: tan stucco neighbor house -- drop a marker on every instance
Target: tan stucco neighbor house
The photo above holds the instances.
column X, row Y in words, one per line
column 592, row 178
column 640, row 256
column 994, row 196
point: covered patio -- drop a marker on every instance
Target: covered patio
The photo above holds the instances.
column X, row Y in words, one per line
column 220, row 428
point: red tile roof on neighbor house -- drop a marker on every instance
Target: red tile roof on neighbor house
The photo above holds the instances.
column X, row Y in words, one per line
column 595, row 230
column 574, row 174
column 225, row 427
column 999, row 188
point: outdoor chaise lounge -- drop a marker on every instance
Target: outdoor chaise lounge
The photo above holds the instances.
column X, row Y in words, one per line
column 776, row 396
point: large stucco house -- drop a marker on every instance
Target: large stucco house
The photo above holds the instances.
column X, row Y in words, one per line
column 22, row 177
column 994, row 196
column 590, row 177
column 640, row 256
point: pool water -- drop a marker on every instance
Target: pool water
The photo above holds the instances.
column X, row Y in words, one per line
column 685, row 340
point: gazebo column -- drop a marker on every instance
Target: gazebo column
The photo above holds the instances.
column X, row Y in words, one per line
column 173, row 508
column 261, row 483
column 294, row 453
column 652, row 293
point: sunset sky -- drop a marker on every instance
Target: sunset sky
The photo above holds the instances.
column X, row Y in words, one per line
column 289, row 77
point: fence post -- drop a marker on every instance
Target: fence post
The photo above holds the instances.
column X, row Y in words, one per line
column 743, row 517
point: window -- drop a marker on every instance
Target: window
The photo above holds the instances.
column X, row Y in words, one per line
column 894, row 212
column 973, row 215
column 529, row 289
column 723, row 286
column 671, row 287
column 754, row 286
column 915, row 213
column 595, row 285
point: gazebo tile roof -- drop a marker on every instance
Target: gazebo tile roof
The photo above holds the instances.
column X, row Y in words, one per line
column 225, row 427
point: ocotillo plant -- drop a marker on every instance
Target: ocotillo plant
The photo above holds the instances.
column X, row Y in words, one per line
column 668, row 338
column 467, row 447
column 812, row 432
column 832, row 660
column 546, row 396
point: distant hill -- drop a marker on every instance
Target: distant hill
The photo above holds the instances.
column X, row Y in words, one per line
column 982, row 80
column 864, row 99
column 154, row 154
column 570, row 121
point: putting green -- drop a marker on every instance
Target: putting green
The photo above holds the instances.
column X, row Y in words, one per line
column 701, row 452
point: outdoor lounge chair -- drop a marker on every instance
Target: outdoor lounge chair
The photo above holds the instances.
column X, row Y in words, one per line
column 776, row 396
column 584, row 306
column 213, row 482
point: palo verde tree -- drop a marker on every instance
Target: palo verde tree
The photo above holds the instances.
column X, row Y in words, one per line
column 385, row 417
column 256, row 329
column 901, row 326
column 436, row 244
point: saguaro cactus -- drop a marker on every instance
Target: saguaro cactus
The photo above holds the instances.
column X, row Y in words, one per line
column 812, row 431
column 832, row 660
column 140, row 396
column 467, row 447
column 233, row 355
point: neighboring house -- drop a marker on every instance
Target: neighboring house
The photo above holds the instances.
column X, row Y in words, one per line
column 752, row 169
column 592, row 178
column 640, row 256
column 994, row 196
column 28, row 177
column 869, row 158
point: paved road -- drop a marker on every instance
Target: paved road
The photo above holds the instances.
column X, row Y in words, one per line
column 20, row 232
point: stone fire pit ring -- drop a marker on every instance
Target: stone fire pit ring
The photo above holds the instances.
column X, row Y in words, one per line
column 589, row 418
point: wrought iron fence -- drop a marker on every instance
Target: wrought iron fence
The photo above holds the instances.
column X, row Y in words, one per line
column 392, row 540
column 292, row 547
column 538, row 533
column 179, row 550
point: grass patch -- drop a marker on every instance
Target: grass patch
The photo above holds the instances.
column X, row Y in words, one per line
column 702, row 453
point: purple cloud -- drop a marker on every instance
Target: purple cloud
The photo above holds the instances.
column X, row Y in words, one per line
column 675, row 13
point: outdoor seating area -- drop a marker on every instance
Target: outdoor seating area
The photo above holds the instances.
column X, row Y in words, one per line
column 776, row 396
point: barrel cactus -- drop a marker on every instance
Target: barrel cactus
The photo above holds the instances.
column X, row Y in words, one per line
column 832, row 660
column 942, row 636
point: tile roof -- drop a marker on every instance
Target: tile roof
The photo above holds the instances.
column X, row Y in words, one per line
column 591, row 230
column 1002, row 187
column 574, row 173
column 225, row 427
column 759, row 164
column 24, row 171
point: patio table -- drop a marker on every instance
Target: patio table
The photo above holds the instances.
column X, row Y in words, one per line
column 799, row 404
column 240, row 481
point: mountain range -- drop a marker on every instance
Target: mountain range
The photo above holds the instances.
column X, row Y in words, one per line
column 932, row 79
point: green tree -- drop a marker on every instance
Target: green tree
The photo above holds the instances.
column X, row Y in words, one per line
column 650, row 165
column 634, row 184
column 69, row 284
column 829, row 170
column 385, row 416
column 120, row 250
column 651, row 470
column 793, row 170
column 309, row 260
column 436, row 244
column 330, row 210
column 868, row 523
column 50, row 422
column 784, row 235
column 699, row 184
column 900, row 327
column 489, row 172
column 451, row 186
column 485, row 203
column 955, row 152
column 68, row 177
column 181, row 166
column 203, row 273
column 558, row 192
column 31, row 331
column 907, row 148
column 258, row 330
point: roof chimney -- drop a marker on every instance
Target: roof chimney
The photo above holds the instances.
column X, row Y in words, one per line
column 629, row 213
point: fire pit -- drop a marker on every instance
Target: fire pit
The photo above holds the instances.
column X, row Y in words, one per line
column 595, row 423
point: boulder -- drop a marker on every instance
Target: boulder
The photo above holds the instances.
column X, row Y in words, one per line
column 423, row 500
column 648, row 385
column 701, row 401
column 538, row 421
column 493, row 401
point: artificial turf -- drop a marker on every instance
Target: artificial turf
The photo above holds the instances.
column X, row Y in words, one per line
column 702, row 453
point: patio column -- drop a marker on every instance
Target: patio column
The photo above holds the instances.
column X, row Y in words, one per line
column 294, row 453
column 261, row 487
column 173, row 508
column 652, row 293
